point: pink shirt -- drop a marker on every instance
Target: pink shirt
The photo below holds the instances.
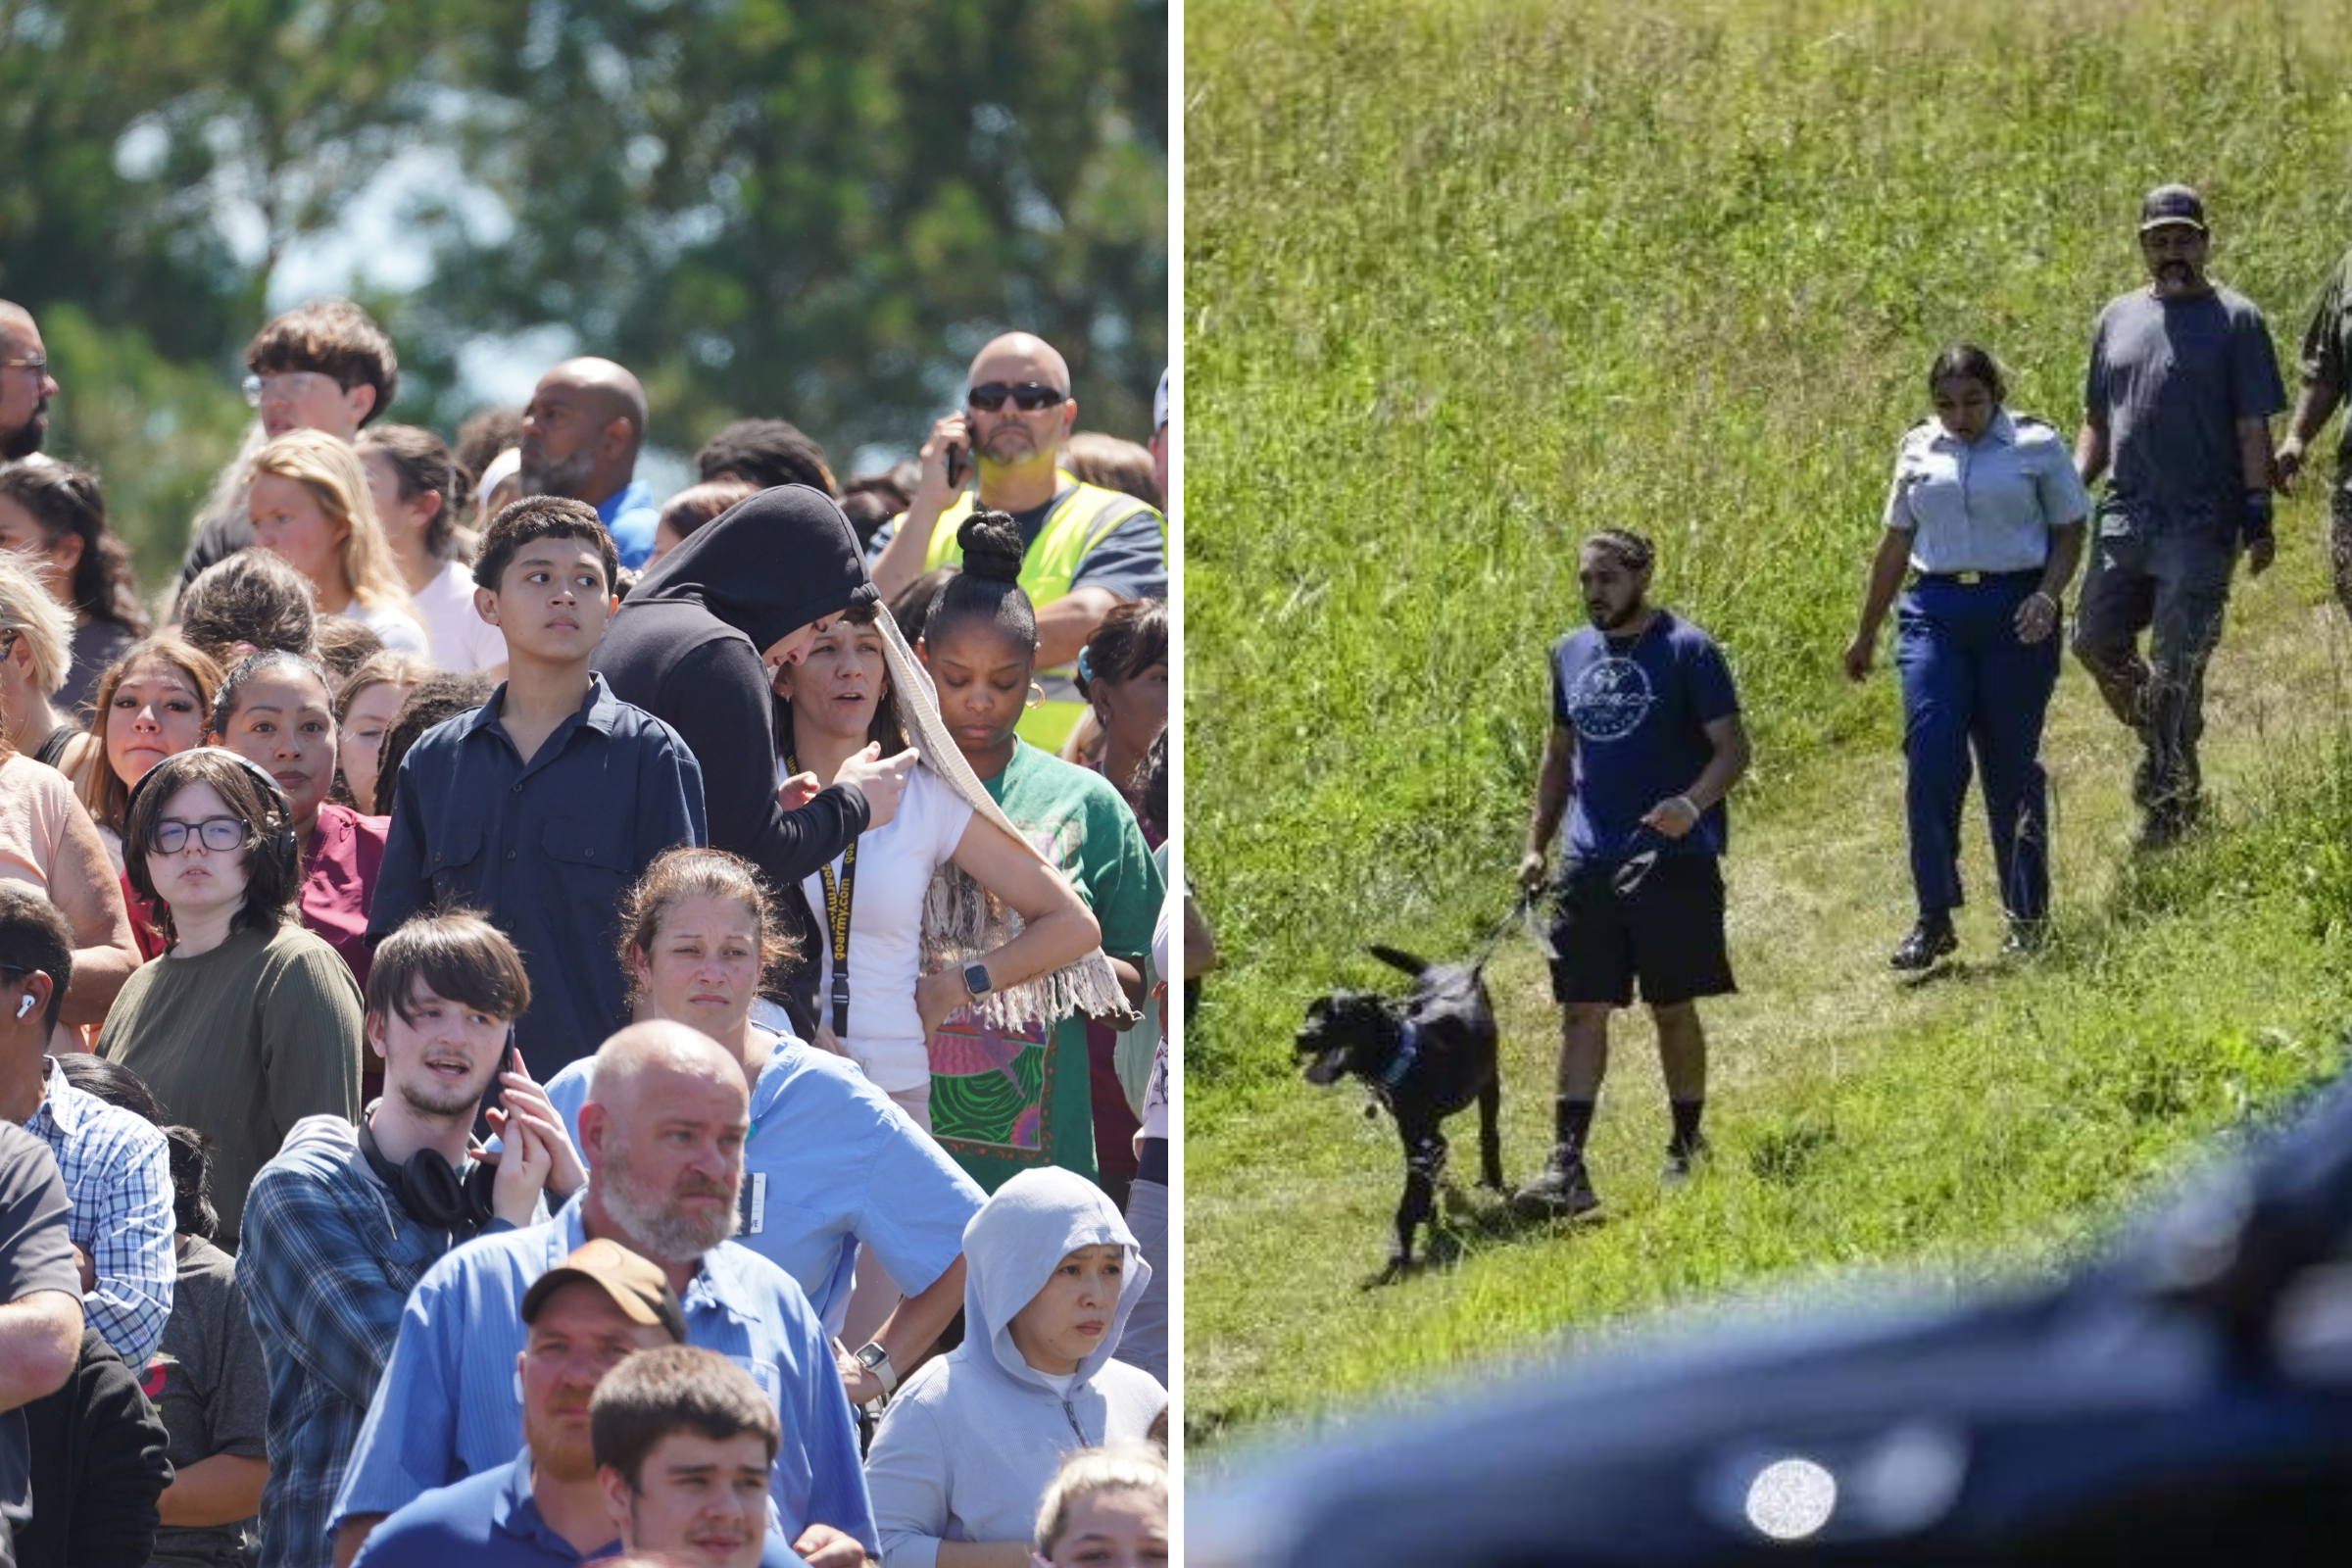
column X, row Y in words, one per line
column 347, row 851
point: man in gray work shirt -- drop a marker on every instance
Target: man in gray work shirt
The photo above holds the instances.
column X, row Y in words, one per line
column 2176, row 411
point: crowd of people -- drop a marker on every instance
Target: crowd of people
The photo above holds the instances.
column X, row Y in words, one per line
column 542, row 1022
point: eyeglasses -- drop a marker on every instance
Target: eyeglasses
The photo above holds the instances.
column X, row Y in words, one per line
column 214, row 832
column 1029, row 397
column 293, row 384
column 38, row 365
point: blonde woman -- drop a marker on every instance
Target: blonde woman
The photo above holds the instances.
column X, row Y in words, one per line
column 309, row 506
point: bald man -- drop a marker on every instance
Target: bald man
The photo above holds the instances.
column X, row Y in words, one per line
column 25, row 384
column 581, row 433
column 663, row 1136
column 1084, row 548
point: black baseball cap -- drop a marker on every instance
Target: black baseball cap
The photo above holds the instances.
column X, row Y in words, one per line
column 2167, row 204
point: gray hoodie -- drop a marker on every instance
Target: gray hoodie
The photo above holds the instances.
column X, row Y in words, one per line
column 970, row 1443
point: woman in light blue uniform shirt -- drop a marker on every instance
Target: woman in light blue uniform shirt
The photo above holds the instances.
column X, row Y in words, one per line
column 829, row 1164
column 1985, row 520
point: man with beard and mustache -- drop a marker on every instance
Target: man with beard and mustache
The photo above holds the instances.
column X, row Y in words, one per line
column 601, row 1306
column 1646, row 742
column 25, row 384
column 345, row 1220
column 581, row 433
column 2177, row 410
column 663, row 1132
column 1084, row 548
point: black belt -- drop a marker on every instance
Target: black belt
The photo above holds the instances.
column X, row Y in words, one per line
column 1971, row 579
column 1152, row 1166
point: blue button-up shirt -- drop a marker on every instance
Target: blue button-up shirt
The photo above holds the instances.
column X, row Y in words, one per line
column 629, row 515
column 1987, row 505
column 830, row 1163
column 118, row 1171
column 544, row 849
column 449, row 1405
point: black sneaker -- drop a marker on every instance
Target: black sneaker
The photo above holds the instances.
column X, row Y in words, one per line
column 1931, row 939
column 1563, row 1192
column 2027, row 938
column 1682, row 1161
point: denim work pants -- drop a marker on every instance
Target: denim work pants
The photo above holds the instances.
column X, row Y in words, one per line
column 2172, row 582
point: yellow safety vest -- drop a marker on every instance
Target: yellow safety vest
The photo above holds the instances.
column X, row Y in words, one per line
column 1082, row 518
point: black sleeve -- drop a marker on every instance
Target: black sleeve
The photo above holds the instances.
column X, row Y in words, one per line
column 98, row 1467
column 717, row 702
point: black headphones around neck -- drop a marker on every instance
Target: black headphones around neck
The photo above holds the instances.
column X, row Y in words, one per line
column 277, row 838
column 430, row 1189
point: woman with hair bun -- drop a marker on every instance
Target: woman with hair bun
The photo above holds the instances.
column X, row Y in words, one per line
column 1985, row 520
column 990, row 1103
column 55, row 514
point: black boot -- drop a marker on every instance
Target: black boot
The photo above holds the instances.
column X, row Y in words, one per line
column 1563, row 1192
column 1931, row 939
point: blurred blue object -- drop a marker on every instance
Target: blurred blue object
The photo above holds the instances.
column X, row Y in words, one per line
column 2187, row 1397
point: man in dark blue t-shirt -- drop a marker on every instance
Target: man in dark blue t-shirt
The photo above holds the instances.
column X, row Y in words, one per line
column 1646, row 742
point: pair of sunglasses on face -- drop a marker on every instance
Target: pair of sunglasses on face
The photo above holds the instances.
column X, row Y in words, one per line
column 1029, row 397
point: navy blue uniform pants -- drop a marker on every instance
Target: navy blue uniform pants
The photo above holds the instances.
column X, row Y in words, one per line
column 1970, row 685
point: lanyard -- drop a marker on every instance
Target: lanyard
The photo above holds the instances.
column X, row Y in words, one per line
column 837, row 923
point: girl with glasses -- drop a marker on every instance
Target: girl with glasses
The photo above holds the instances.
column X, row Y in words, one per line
column 248, row 1022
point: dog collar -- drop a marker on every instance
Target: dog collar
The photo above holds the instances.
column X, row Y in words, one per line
column 1408, row 1051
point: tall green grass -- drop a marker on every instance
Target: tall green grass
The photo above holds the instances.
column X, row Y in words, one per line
column 1466, row 281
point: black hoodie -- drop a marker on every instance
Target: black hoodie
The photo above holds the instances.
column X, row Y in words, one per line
column 686, row 648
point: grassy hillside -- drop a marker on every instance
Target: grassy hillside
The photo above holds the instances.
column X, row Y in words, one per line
column 1466, row 281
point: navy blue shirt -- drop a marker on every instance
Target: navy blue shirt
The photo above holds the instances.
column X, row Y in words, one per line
column 493, row 1521
column 544, row 850
column 1640, row 708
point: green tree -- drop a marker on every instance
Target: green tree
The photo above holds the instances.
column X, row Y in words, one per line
column 817, row 210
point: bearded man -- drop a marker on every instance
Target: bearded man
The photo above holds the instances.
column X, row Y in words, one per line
column 663, row 1135
column 1646, row 742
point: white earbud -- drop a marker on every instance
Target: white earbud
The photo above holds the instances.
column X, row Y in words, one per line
column 24, row 1006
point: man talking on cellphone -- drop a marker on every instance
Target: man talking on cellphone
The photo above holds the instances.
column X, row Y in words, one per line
column 1085, row 548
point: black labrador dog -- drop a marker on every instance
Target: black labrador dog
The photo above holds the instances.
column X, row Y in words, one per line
column 1424, row 1057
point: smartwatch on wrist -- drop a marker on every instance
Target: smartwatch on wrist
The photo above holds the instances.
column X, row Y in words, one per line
column 976, row 980
column 875, row 1359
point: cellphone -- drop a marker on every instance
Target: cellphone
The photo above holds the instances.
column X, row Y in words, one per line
column 495, row 1096
column 958, row 463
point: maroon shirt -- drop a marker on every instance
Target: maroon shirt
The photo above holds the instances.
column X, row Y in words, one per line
column 339, row 870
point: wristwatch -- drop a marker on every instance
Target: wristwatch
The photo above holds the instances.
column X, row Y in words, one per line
column 976, row 980
column 875, row 1359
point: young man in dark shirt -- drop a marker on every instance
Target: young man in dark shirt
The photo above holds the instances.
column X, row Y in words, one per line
column 540, row 808
column 1646, row 742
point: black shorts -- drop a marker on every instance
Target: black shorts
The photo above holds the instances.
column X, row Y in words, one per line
column 1667, row 934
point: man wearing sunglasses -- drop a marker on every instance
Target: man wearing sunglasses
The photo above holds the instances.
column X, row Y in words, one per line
column 1085, row 548
column 26, row 385
column 324, row 366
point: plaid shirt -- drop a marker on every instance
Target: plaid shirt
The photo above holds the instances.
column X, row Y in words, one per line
column 326, row 1258
column 118, row 1171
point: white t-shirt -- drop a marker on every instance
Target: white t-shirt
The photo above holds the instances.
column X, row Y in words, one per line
column 895, row 863
column 400, row 632
column 463, row 641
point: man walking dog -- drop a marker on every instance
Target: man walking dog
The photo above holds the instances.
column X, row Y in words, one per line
column 1646, row 742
